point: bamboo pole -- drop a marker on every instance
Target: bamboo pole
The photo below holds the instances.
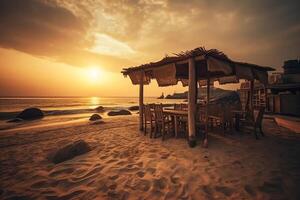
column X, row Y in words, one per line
column 192, row 103
column 141, row 101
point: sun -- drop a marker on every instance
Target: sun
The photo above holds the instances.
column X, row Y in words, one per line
column 94, row 73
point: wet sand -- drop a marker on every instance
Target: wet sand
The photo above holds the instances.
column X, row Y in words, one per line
column 125, row 164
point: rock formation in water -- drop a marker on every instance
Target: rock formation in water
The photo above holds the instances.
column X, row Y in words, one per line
column 119, row 112
column 100, row 109
column 95, row 117
column 31, row 114
column 133, row 108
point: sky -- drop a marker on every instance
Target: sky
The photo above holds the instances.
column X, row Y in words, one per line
column 78, row 48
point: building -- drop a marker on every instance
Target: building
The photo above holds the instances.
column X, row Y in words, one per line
column 283, row 91
column 284, row 97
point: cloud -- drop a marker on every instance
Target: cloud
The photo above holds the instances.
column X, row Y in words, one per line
column 50, row 30
column 265, row 32
column 40, row 28
column 107, row 45
column 256, row 31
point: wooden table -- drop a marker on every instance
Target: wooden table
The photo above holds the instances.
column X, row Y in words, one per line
column 176, row 114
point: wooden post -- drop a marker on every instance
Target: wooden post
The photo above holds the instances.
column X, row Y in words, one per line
column 141, row 101
column 192, row 103
column 266, row 98
column 251, row 97
column 205, row 142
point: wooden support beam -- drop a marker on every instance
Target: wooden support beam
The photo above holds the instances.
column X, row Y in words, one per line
column 141, row 101
column 205, row 141
column 251, row 97
column 192, row 103
column 266, row 98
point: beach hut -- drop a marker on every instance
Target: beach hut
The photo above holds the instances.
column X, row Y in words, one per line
column 191, row 68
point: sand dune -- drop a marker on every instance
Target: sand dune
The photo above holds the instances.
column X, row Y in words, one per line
column 125, row 164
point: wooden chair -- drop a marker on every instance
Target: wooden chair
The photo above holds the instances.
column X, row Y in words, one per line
column 201, row 118
column 184, row 106
column 149, row 119
column 214, row 115
column 255, row 121
column 221, row 115
column 227, row 117
column 162, row 122
column 182, row 121
column 177, row 106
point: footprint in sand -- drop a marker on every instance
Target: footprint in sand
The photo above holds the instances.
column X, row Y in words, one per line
column 152, row 155
column 62, row 171
column 114, row 177
column 101, row 185
column 140, row 164
column 271, row 187
column 184, row 193
column 225, row 190
column 164, row 155
column 143, row 185
column 151, row 170
column 121, row 163
column 112, row 194
column 138, row 184
column 207, row 190
column 159, row 184
column 40, row 184
column 175, row 179
column 140, row 174
column 88, row 176
column 237, row 164
column 250, row 190
column 173, row 166
column 73, row 194
column 124, row 154
column 111, row 161
column 112, row 186
column 129, row 168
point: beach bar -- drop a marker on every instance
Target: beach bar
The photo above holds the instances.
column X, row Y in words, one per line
column 193, row 68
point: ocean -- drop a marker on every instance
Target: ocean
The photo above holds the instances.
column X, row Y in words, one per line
column 69, row 108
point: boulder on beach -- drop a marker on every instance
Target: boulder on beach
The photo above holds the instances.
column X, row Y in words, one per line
column 95, row 117
column 31, row 114
column 15, row 120
column 69, row 151
column 100, row 109
column 119, row 112
column 133, row 108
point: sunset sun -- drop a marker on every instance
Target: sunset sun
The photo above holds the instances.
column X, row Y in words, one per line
column 94, row 73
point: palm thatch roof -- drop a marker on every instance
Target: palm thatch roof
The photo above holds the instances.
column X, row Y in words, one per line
column 212, row 61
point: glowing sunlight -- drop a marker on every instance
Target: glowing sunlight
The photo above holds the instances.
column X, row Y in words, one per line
column 94, row 74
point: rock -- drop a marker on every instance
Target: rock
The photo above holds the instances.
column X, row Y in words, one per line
column 95, row 117
column 15, row 120
column 133, row 108
column 31, row 114
column 70, row 151
column 100, row 109
column 120, row 112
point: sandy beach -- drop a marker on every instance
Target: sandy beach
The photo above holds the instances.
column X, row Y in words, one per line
column 125, row 164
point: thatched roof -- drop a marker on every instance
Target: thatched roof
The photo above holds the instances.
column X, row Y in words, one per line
column 212, row 61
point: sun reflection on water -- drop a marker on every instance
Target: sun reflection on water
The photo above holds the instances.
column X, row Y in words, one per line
column 94, row 101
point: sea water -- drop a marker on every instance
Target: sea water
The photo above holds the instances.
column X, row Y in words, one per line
column 69, row 108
